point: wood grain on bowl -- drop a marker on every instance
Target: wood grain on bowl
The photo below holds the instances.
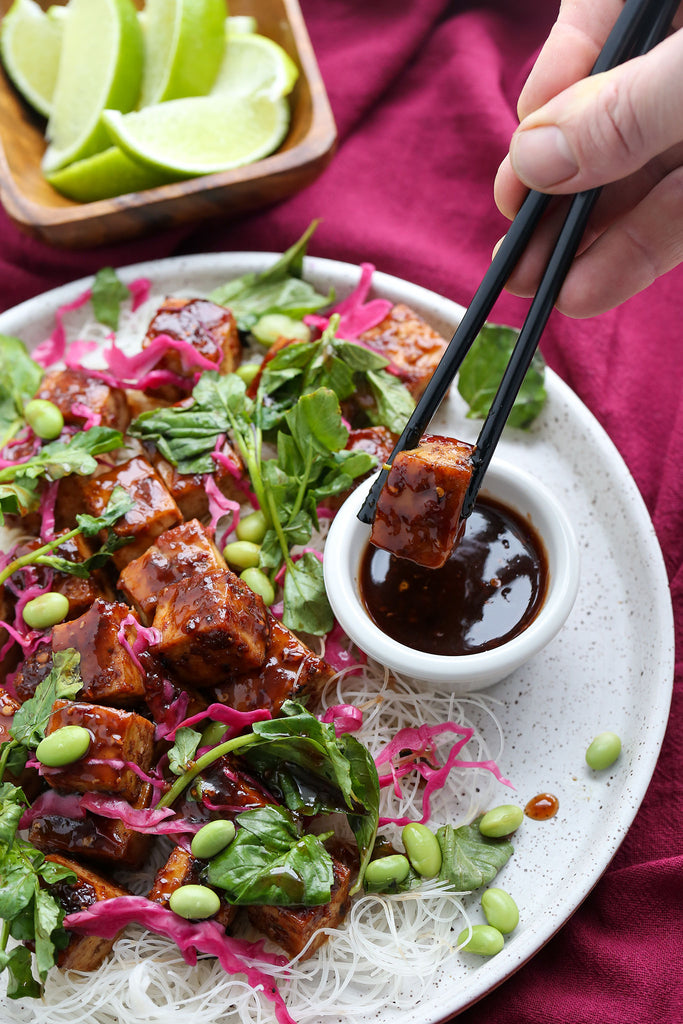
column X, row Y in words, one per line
column 40, row 211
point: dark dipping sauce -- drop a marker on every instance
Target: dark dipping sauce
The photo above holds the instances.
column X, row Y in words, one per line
column 488, row 592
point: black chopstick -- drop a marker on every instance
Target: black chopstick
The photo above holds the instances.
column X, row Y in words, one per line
column 641, row 24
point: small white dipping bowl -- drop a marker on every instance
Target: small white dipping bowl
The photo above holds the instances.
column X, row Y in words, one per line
column 347, row 540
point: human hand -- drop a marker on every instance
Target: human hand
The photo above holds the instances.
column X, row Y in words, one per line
column 622, row 129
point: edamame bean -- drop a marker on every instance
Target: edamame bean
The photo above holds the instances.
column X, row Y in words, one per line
column 212, row 838
column 242, row 554
column 276, row 325
column 45, row 610
column 501, row 821
column 423, row 849
column 252, row 527
column 484, row 940
column 213, row 734
column 603, row 751
column 63, row 746
column 247, row 372
column 500, row 910
column 194, row 902
column 387, row 871
column 260, row 584
column 44, row 418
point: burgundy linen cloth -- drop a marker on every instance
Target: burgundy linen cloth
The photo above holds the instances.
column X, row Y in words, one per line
column 424, row 93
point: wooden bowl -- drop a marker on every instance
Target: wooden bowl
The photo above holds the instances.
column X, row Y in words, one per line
column 40, row 211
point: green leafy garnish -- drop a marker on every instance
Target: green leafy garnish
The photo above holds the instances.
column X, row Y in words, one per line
column 308, row 768
column 119, row 503
column 18, row 489
column 30, row 913
column 19, row 380
column 269, row 862
column 312, row 464
column 106, row 295
column 470, row 859
column 279, row 289
column 482, row 372
column 181, row 755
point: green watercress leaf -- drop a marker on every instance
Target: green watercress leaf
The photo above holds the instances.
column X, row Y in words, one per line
column 182, row 753
column 60, row 458
column 106, row 295
column 482, row 372
column 19, row 381
column 306, row 605
column 393, row 400
column 62, row 682
column 469, row 859
column 279, row 289
column 270, row 863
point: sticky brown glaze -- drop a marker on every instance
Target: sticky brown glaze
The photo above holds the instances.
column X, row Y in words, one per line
column 290, row 672
column 211, row 626
column 488, row 592
column 210, row 329
column 419, row 507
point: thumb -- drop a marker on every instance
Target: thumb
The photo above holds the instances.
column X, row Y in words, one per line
column 605, row 127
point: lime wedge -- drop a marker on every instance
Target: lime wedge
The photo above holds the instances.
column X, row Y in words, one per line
column 241, row 23
column 203, row 134
column 30, row 42
column 254, row 64
column 104, row 175
column 183, row 48
column 100, row 66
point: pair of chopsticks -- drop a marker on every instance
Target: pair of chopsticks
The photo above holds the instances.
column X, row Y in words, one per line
column 640, row 26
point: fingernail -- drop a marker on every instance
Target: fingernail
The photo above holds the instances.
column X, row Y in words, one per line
column 497, row 247
column 541, row 157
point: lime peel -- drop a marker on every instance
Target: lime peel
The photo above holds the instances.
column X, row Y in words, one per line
column 201, row 135
column 100, row 66
column 31, row 42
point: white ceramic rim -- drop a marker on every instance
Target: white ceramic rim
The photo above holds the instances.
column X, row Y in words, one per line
column 526, row 495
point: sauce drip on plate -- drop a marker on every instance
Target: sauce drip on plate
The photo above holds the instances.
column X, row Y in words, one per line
column 542, row 807
column 488, row 592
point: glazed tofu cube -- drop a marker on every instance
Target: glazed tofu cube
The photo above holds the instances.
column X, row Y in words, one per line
column 84, row 952
column 293, row 927
column 118, row 737
column 188, row 490
column 69, row 388
column 419, row 507
column 111, row 675
column 210, row 329
column 93, row 837
column 182, row 868
column 290, row 672
column 210, row 626
column 183, row 551
column 412, row 347
column 154, row 509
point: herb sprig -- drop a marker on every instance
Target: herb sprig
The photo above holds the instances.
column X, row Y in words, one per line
column 29, row 912
column 19, row 483
column 119, row 503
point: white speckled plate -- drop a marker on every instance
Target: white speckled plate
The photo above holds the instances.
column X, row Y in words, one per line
column 611, row 667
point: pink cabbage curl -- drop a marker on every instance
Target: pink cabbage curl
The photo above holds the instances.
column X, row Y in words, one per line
column 107, row 917
column 413, row 749
column 145, row 637
column 356, row 315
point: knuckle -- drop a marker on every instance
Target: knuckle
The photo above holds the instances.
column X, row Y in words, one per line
column 615, row 128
